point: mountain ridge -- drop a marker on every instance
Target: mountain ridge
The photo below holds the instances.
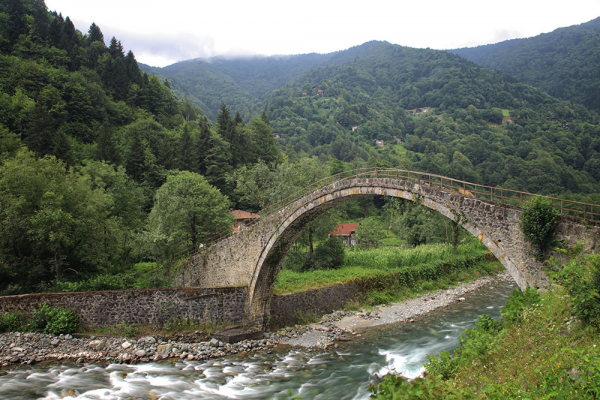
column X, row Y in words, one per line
column 565, row 62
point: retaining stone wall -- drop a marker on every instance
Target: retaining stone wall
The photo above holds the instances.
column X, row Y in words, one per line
column 286, row 308
column 146, row 307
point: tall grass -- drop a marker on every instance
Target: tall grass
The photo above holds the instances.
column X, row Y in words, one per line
column 386, row 258
column 391, row 269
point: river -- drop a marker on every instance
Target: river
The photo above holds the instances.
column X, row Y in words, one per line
column 338, row 373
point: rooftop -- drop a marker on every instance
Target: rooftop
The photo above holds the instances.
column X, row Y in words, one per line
column 345, row 229
column 239, row 214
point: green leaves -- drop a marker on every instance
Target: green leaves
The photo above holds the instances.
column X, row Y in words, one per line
column 187, row 211
column 581, row 277
column 46, row 319
column 54, row 219
column 538, row 223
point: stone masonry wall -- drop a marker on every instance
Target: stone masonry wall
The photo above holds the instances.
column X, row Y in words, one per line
column 286, row 308
column 147, row 307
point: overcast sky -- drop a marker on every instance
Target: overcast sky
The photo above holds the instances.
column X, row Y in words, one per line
column 164, row 32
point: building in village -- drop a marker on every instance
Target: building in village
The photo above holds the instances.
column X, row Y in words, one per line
column 346, row 233
column 243, row 219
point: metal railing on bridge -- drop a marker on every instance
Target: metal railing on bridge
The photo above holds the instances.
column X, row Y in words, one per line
column 575, row 209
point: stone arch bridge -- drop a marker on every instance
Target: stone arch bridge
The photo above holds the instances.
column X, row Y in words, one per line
column 253, row 257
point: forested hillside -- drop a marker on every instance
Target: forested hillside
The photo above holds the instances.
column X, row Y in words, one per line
column 240, row 82
column 480, row 125
column 565, row 63
column 107, row 178
column 100, row 169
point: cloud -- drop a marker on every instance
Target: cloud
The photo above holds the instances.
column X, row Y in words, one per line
column 158, row 49
column 504, row 34
column 168, row 47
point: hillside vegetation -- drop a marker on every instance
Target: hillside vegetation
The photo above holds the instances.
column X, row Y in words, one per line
column 565, row 63
column 239, row 82
column 545, row 347
column 107, row 178
column 543, row 145
column 99, row 169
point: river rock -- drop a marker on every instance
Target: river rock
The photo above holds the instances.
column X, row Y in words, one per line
column 214, row 342
column 140, row 353
column 163, row 349
column 98, row 344
column 148, row 339
column 126, row 345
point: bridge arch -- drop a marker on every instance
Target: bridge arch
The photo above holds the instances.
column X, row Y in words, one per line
column 494, row 225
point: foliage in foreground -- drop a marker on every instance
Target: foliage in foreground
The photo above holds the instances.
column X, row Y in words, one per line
column 541, row 351
column 47, row 319
column 538, row 223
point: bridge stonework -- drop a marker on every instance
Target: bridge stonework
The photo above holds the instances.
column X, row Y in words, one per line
column 253, row 257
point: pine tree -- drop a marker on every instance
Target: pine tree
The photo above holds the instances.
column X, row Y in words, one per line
column 136, row 157
column 238, row 119
column 39, row 132
column 218, row 166
column 264, row 117
column 265, row 147
column 132, row 69
column 116, row 48
column 224, row 123
column 68, row 36
column 16, row 21
column 186, row 150
column 95, row 34
column 107, row 148
column 201, row 147
column 54, row 30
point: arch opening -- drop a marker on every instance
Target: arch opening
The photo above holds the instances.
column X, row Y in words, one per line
column 301, row 213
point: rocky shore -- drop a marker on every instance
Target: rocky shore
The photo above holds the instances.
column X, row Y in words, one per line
column 29, row 348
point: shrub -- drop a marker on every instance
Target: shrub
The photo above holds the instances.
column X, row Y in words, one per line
column 443, row 366
column 148, row 275
column 54, row 320
column 40, row 319
column 12, row 322
column 517, row 302
column 62, row 321
column 329, row 255
column 397, row 387
column 581, row 278
column 538, row 223
column 488, row 324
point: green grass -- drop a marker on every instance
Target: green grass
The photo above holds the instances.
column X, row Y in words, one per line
column 546, row 355
column 539, row 351
column 505, row 113
column 393, row 241
column 393, row 270
column 387, row 258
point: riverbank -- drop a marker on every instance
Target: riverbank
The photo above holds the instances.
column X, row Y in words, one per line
column 352, row 323
column 30, row 348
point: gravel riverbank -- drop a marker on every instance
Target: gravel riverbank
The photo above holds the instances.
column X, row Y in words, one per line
column 29, row 348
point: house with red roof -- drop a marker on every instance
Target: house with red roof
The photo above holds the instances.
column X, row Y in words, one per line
column 346, row 233
column 243, row 219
